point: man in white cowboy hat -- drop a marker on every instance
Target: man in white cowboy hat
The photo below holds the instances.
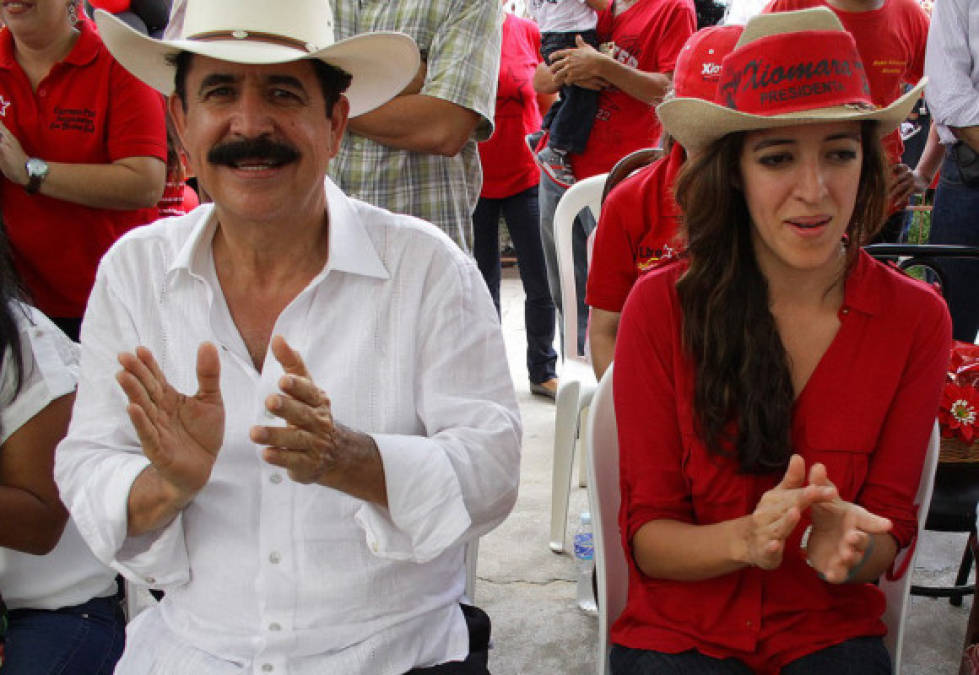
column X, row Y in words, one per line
column 307, row 510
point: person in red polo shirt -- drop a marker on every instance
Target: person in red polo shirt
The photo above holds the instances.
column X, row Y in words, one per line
column 639, row 223
column 82, row 152
column 641, row 40
column 775, row 388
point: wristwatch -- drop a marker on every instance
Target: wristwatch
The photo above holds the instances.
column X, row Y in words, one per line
column 37, row 171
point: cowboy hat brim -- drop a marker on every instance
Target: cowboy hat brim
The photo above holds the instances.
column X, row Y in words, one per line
column 381, row 63
column 696, row 123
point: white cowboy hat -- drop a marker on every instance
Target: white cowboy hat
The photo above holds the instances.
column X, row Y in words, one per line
column 260, row 32
column 787, row 68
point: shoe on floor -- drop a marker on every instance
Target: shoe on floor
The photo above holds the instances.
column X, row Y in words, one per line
column 555, row 165
column 548, row 388
column 533, row 140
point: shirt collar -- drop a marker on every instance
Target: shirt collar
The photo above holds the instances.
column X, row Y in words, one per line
column 860, row 293
column 87, row 47
column 351, row 249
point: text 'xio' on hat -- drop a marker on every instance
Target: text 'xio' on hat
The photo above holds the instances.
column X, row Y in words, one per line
column 259, row 32
column 788, row 68
column 698, row 65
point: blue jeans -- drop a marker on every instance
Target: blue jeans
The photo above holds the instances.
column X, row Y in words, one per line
column 523, row 222
column 859, row 656
column 85, row 639
column 550, row 194
column 955, row 220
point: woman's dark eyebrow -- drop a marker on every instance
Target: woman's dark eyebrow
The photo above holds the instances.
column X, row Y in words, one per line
column 846, row 135
column 768, row 142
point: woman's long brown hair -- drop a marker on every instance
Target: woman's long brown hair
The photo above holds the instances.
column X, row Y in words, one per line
column 743, row 392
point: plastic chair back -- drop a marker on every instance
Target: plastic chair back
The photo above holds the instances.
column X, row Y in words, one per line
column 603, row 496
column 584, row 194
column 898, row 591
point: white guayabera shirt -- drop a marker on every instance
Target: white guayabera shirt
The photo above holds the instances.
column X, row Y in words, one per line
column 263, row 574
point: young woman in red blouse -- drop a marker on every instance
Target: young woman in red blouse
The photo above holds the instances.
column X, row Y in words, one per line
column 774, row 389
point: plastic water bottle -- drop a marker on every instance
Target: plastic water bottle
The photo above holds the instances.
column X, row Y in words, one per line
column 584, row 557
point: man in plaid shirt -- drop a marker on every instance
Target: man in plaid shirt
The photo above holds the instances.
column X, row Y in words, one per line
column 417, row 153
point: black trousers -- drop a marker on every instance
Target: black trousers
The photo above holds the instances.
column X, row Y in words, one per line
column 478, row 623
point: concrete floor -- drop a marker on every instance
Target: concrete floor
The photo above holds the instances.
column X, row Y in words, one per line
column 529, row 592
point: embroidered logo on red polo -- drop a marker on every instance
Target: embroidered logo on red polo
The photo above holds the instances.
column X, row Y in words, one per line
column 795, row 71
column 4, row 104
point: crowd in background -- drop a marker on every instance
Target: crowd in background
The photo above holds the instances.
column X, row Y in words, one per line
column 502, row 118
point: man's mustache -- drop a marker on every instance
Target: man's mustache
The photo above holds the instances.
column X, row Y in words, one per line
column 230, row 153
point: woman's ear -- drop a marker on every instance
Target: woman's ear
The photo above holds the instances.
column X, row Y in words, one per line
column 736, row 180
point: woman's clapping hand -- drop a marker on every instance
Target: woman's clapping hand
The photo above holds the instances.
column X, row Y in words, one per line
column 778, row 512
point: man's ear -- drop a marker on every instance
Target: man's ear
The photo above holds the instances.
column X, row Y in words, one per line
column 175, row 106
column 339, row 117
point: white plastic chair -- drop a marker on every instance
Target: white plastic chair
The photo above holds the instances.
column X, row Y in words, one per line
column 898, row 591
column 610, row 563
column 577, row 382
column 603, row 500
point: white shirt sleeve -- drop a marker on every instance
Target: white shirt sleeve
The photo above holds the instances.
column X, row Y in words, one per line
column 50, row 370
column 96, row 464
column 458, row 480
column 952, row 65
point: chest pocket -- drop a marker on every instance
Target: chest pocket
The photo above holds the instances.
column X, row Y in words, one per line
column 845, row 446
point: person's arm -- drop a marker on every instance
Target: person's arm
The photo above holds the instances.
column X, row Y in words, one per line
column 101, row 459
column 847, row 543
column 669, row 549
column 602, row 328
column 895, row 466
column 313, row 447
column 930, row 160
column 458, row 98
column 31, row 512
column 454, row 478
column 180, row 435
column 418, row 123
column 598, row 5
column 584, row 65
column 953, row 98
column 129, row 183
column 658, row 523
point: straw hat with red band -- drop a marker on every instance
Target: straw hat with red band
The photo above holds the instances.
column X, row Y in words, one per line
column 255, row 32
column 788, row 68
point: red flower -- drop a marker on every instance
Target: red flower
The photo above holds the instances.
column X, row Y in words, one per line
column 958, row 411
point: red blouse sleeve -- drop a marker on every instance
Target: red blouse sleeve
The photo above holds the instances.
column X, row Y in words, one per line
column 650, row 441
column 895, row 467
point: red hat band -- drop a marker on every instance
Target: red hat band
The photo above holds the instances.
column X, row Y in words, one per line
column 792, row 72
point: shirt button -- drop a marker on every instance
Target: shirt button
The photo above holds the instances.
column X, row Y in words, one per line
column 846, row 310
column 150, row 580
column 274, row 626
column 267, row 667
column 275, row 478
column 42, row 92
column 274, row 557
column 748, row 624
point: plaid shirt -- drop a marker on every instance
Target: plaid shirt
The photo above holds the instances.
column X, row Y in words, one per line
column 460, row 42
